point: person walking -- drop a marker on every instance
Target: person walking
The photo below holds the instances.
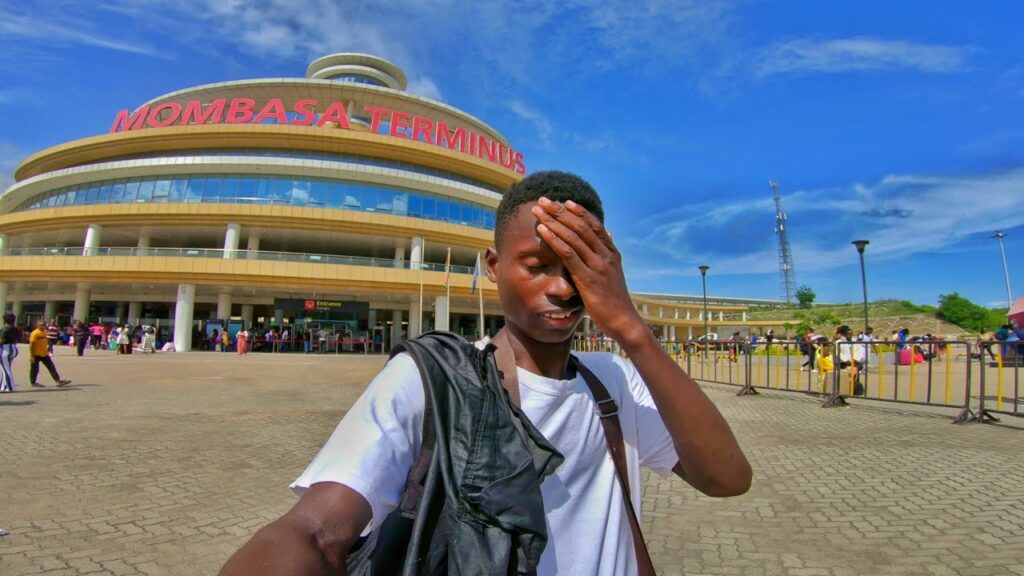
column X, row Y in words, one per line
column 10, row 336
column 39, row 353
column 124, row 340
column 52, row 335
column 81, row 337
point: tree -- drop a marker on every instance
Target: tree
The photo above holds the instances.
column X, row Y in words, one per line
column 958, row 310
column 805, row 296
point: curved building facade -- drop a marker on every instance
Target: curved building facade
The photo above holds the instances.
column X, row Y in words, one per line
column 336, row 200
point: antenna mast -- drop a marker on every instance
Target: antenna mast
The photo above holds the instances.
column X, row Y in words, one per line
column 786, row 274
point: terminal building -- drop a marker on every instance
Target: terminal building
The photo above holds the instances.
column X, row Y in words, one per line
column 335, row 200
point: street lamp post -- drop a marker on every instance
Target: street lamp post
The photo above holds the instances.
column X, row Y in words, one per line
column 861, row 244
column 704, row 282
column 999, row 235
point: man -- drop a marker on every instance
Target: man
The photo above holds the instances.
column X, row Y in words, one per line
column 40, row 354
column 868, row 338
column 10, row 337
column 52, row 335
column 851, row 356
column 551, row 258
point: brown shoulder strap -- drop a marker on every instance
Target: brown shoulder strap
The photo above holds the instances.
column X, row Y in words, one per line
column 608, row 412
column 505, row 359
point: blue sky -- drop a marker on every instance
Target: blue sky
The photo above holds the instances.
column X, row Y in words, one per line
column 897, row 122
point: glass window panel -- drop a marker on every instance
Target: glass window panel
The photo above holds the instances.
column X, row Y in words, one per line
column 211, row 191
column 195, row 188
column 228, row 189
column 131, row 188
column 247, row 188
column 385, row 198
column 146, row 188
column 367, row 197
column 429, row 207
column 400, row 205
column 477, row 217
column 335, row 195
column 300, row 193
column 282, row 190
column 454, row 212
column 415, row 205
column 265, row 188
column 441, row 213
column 105, row 192
column 92, row 194
column 467, row 213
column 117, row 191
column 318, row 193
column 50, row 201
column 69, row 197
column 162, row 189
column 177, row 191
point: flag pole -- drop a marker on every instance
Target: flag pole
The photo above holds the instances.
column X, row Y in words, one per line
column 480, row 293
column 423, row 254
column 448, row 289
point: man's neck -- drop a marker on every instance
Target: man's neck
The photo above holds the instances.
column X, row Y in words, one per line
column 548, row 360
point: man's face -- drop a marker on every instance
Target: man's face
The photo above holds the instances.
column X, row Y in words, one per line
column 536, row 291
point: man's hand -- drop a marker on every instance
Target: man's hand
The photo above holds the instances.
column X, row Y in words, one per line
column 593, row 261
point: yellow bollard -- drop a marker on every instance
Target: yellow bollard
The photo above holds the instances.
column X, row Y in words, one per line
column 778, row 367
column 912, row 365
column 949, row 378
column 999, row 368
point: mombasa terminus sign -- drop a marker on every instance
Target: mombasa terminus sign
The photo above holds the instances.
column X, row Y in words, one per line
column 305, row 113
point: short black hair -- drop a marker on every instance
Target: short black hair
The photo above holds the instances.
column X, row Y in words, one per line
column 552, row 184
column 10, row 318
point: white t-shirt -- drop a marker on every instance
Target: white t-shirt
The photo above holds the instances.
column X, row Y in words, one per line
column 375, row 444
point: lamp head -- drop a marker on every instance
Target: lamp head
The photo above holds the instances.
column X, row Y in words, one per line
column 703, row 269
column 860, row 244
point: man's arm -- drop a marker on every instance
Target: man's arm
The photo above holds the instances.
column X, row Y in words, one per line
column 312, row 538
column 710, row 459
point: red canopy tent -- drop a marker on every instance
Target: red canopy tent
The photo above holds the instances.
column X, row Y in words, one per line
column 1016, row 312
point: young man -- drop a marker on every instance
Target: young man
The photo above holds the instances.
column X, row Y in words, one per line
column 40, row 354
column 551, row 259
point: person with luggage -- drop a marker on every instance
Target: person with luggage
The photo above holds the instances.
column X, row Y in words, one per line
column 552, row 259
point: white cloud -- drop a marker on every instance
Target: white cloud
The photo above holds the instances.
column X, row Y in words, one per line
column 10, row 156
column 539, row 121
column 856, row 54
column 424, row 86
column 902, row 215
column 51, row 32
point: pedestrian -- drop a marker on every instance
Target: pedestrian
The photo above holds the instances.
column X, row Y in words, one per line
column 52, row 335
column 868, row 338
column 825, row 366
column 96, row 335
column 39, row 353
column 808, row 347
column 562, row 508
column 124, row 340
column 850, row 356
column 10, row 337
column 242, row 341
column 81, row 337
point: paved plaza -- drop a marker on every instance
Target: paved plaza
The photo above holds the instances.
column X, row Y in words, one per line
column 165, row 464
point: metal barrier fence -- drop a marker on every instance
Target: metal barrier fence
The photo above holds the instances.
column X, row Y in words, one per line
column 936, row 372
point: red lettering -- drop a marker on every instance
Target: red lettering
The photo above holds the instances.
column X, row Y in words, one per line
column 306, row 112
column 400, row 124
column 274, row 108
column 126, row 120
column 194, row 113
column 503, row 153
column 520, row 166
column 452, row 140
column 486, row 146
column 335, row 113
column 423, row 127
column 240, row 111
column 376, row 114
column 154, row 120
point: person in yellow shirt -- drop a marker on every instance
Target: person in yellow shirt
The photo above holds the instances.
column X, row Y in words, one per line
column 825, row 366
column 39, row 352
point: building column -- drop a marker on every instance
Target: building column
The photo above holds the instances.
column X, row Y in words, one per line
column 721, row 316
column 415, row 329
column 247, row 315
column 252, row 245
column 399, row 256
column 279, row 317
column 396, row 327
column 441, row 313
column 183, row 310
column 145, row 239
column 371, row 319
column 416, row 252
column 92, row 239
column 689, row 332
column 224, row 306
column 122, row 317
column 16, row 309
column 231, row 240
column 49, row 310
column 744, row 315
column 81, row 311
column 3, row 298
column 5, row 242
column 672, row 333
column 687, row 314
column 134, row 312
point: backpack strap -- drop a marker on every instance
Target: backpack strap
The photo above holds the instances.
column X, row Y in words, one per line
column 608, row 412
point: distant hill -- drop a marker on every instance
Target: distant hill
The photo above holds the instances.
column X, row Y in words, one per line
column 884, row 316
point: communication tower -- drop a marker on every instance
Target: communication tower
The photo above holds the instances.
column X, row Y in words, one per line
column 786, row 273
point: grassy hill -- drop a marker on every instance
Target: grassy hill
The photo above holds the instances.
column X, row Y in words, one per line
column 884, row 316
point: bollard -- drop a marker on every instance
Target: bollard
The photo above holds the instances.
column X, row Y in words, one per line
column 913, row 381
column 999, row 378
column 949, row 378
column 881, row 373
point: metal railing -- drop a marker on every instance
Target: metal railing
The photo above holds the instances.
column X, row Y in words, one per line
column 239, row 254
column 1003, row 356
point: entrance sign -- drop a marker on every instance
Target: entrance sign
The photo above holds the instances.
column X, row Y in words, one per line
column 309, row 112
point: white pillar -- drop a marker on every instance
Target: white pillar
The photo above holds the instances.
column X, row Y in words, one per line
column 371, row 319
column 643, row 308
column 145, row 240
column 279, row 317
column 134, row 312
column 399, row 255
column 3, row 298
column 231, row 240
column 5, row 241
column 689, row 332
column 721, row 316
column 247, row 315
column 81, row 311
column 441, row 313
column 661, row 311
column 744, row 315
column 687, row 313
column 183, row 309
column 49, row 310
column 416, row 252
column 252, row 245
column 92, row 239
column 16, row 309
column 396, row 327
column 224, row 305
column 414, row 320
column 672, row 333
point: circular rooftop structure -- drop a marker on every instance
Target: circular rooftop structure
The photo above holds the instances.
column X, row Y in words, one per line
column 358, row 68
